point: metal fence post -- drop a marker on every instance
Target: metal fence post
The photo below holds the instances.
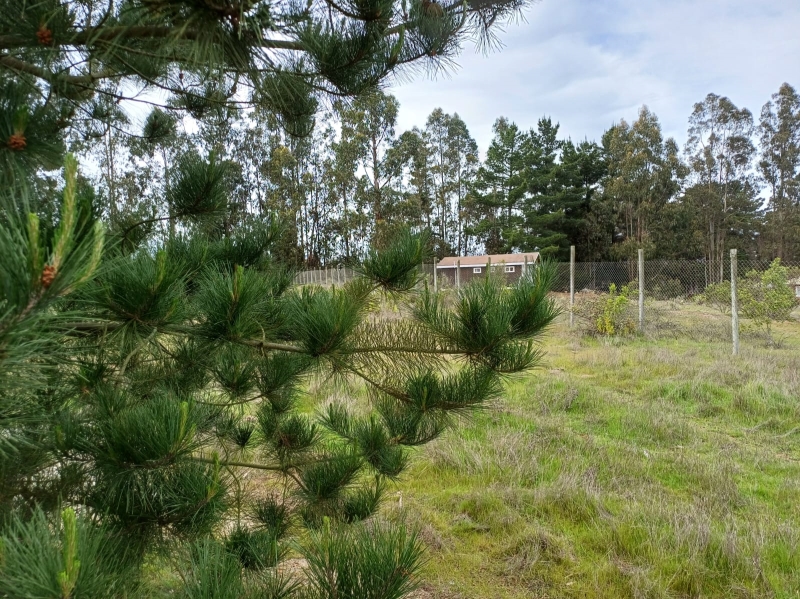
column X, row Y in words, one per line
column 734, row 305
column 641, row 291
column 571, row 285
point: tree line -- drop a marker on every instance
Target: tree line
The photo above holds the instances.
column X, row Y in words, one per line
column 346, row 187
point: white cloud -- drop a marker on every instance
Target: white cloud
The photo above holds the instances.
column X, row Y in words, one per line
column 588, row 64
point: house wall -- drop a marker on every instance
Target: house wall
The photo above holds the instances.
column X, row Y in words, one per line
column 467, row 273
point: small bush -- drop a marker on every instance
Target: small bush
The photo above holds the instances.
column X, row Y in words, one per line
column 718, row 296
column 608, row 314
column 662, row 288
column 764, row 297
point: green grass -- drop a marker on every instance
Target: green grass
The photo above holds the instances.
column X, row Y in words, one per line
column 638, row 468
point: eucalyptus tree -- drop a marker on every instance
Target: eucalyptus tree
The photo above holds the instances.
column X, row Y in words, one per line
column 409, row 159
column 347, row 187
column 644, row 174
column 368, row 126
column 720, row 152
column 453, row 158
column 779, row 169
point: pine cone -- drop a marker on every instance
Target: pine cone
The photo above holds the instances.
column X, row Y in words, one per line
column 17, row 141
column 44, row 35
column 48, row 274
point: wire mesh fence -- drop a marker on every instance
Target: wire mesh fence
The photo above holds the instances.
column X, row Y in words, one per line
column 663, row 279
column 325, row 276
column 677, row 297
column 339, row 275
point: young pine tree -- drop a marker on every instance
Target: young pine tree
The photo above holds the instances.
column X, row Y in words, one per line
column 154, row 404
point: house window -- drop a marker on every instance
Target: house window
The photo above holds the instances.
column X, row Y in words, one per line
column 477, row 270
column 509, row 269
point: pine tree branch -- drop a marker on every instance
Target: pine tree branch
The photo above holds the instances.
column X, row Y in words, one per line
column 146, row 221
column 273, row 346
column 133, row 352
column 407, row 350
column 114, row 34
column 21, row 66
column 252, row 465
column 388, row 390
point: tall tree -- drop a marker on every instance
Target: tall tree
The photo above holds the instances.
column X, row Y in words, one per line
column 347, row 187
column 369, row 123
column 414, row 186
column 452, row 153
column 779, row 168
column 723, row 194
column 562, row 180
column 644, row 173
column 463, row 157
column 499, row 189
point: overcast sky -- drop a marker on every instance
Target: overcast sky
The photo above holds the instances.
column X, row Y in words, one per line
column 589, row 63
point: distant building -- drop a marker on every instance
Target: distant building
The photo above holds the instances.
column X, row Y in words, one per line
column 796, row 285
column 512, row 266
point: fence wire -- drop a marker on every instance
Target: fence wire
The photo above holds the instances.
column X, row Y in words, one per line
column 662, row 310
column 663, row 279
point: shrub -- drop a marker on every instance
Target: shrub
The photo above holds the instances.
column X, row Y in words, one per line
column 663, row 288
column 608, row 314
column 766, row 297
column 718, row 296
column 763, row 297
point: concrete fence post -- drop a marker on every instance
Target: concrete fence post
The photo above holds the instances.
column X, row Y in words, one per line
column 571, row 286
column 458, row 274
column 641, row 291
column 435, row 276
column 734, row 304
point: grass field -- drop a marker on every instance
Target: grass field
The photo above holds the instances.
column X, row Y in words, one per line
column 638, row 468
column 646, row 467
